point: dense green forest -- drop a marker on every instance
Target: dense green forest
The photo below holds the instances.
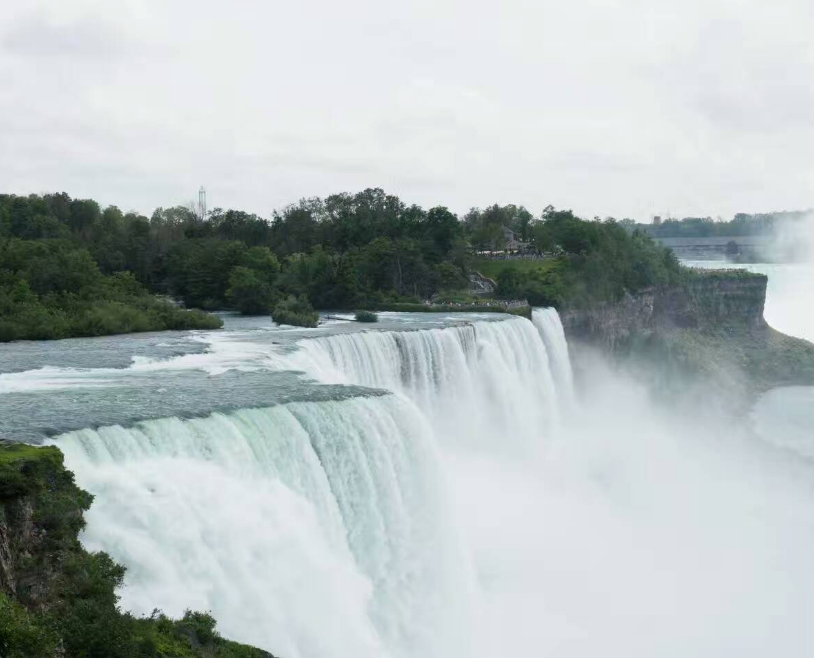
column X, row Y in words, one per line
column 69, row 267
column 55, row 281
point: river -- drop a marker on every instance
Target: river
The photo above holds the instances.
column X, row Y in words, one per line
column 433, row 486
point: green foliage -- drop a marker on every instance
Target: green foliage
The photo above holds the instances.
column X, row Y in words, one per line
column 296, row 311
column 740, row 225
column 366, row 316
column 492, row 268
column 198, row 270
column 53, row 289
column 449, row 276
column 88, row 618
column 342, row 252
column 24, row 469
column 722, row 275
column 488, row 237
column 65, row 603
column 541, row 286
column 485, row 227
column 350, row 249
column 191, row 636
column 249, row 293
column 587, row 262
column 328, row 280
column 21, row 636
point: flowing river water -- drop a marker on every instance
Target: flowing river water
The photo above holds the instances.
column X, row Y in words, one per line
column 433, row 486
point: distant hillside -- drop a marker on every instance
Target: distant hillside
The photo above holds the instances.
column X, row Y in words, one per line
column 741, row 224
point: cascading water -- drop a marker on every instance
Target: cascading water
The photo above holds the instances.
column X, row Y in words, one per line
column 322, row 528
column 475, row 382
column 549, row 325
column 311, row 529
column 424, row 520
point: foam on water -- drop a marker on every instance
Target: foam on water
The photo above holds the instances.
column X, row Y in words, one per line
column 460, row 515
column 474, row 382
column 311, row 529
column 279, row 519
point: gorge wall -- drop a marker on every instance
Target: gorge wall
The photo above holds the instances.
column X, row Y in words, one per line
column 705, row 302
column 709, row 329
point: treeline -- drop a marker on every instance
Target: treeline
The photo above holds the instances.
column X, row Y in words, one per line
column 51, row 289
column 740, row 225
column 589, row 262
column 70, row 267
column 338, row 252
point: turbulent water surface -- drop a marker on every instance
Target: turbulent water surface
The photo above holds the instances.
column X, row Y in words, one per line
column 427, row 487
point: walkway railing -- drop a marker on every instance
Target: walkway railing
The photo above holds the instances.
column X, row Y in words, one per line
column 491, row 303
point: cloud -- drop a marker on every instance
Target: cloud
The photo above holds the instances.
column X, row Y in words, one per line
column 619, row 107
column 37, row 36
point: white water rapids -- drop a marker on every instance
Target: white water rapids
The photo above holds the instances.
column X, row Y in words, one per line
column 275, row 518
column 477, row 509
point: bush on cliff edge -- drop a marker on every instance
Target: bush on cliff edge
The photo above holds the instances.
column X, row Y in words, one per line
column 59, row 601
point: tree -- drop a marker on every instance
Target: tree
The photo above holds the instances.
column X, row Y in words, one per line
column 199, row 270
column 249, row 293
column 85, row 217
column 442, row 230
column 489, row 237
column 295, row 229
column 449, row 277
column 296, row 311
column 263, row 261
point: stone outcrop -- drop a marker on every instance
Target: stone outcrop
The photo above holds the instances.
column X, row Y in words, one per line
column 40, row 516
column 707, row 302
column 56, row 599
column 708, row 333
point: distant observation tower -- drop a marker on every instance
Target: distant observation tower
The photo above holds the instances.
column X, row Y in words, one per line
column 202, row 203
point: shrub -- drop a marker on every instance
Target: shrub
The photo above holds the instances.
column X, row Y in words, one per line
column 112, row 304
column 366, row 316
column 20, row 634
column 249, row 293
column 66, row 603
column 24, row 469
column 295, row 311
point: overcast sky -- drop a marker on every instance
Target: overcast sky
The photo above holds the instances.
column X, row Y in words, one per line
column 624, row 108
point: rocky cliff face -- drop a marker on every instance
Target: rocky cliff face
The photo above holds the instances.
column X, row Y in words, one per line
column 16, row 528
column 40, row 517
column 704, row 303
column 20, row 539
column 709, row 331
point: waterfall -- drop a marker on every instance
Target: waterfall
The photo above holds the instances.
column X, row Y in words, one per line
column 310, row 529
column 475, row 382
column 548, row 323
column 324, row 528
